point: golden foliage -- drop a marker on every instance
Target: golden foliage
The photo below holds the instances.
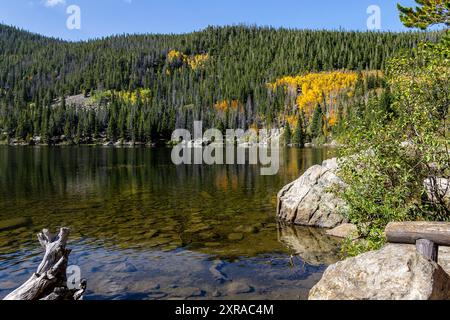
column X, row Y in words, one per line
column 132, row 97
column 194, row 62
column 226, row 105
column 315, row 88
column 197, row 61
column 127, row 97
column 332, row 119
column 292, row 120
column 174, row 56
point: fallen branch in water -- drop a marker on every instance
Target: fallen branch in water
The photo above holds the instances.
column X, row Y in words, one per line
column 50, row 281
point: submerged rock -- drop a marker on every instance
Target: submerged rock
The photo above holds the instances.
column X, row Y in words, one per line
column 311, row 244
column 188, row 292
column 108, row 287
column 309, row 201
column 144, row 285
column 239, row 287
column 235, row 236
column 14, row 223
column 8, row 285
column 217, row 294
column 156, row 295
column 125, row 267
column 396, row 272
column 216, row 270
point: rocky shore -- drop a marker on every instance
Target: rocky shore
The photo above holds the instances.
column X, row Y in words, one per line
column 64, row 141
column 395, row 272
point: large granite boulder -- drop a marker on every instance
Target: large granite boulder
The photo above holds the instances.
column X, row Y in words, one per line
column 309, row 201
column 396, row 272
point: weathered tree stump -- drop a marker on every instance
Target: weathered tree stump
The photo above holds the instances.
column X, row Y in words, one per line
column 50, row 281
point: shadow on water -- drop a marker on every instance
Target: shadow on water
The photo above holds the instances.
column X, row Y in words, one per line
column 143, row 228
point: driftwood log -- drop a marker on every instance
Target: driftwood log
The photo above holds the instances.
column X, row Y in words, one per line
column 410, row 232
column 427, row 236
column 49, row 282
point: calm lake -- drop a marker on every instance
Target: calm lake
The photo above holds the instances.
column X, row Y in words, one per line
column 143, row 228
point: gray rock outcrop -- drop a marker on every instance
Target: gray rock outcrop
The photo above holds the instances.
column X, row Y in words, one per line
column 309, row 201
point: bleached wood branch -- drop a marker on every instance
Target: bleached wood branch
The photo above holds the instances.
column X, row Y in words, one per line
column 49, row 282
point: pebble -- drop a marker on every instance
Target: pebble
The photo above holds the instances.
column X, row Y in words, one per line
column 217, row 294
column 151, row 233
column 8, row 285
column 188, row 292
column 212, row 244
column 14, row 223
column 125, row 267
column 156, row 295
column 239, row 288
column 235, row 236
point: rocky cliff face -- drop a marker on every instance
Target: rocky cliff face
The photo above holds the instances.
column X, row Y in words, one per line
column 309, row 201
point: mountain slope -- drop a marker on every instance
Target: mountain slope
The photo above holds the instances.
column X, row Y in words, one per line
column 183, row 77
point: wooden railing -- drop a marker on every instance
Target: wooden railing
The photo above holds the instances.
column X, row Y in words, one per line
column 427, row 236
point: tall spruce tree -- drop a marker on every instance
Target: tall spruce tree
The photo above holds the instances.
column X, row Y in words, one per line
column 299, row 134
column 126, row 83
column 287, row 134
column 317, row 122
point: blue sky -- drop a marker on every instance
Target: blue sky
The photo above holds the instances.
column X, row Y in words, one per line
column 106, row 17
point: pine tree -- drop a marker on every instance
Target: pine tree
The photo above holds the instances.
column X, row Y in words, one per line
column 124, row 81
column 317, row 122
column 67, row 129
column 287, row 134
column 299, row 135
column 112, row 131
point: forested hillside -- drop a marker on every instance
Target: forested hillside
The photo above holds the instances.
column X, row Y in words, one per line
column 141, row 87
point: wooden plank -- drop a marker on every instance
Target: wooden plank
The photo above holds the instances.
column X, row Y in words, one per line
column 428, row 249
column 411, row 232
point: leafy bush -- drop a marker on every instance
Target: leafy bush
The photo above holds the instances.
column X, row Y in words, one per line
column 388, row 155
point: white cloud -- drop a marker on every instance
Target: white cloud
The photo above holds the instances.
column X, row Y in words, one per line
column 54, row 3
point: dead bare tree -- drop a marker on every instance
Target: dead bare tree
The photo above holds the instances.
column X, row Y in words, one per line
column 49, row 282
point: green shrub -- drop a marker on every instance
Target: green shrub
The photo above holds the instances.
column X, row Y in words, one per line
column 388, row 155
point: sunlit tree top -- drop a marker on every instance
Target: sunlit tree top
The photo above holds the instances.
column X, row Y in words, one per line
column 428, row 13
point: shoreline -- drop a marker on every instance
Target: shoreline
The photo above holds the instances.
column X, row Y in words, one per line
column 167, row 144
